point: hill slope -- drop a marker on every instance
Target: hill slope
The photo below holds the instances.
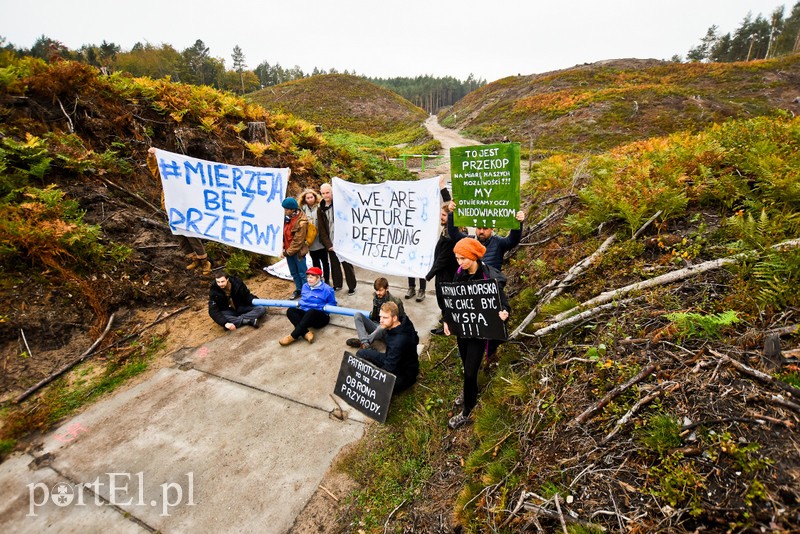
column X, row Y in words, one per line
column 597, row 106
column 342, row 102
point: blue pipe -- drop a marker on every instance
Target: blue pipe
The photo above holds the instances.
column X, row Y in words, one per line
column 294, row 304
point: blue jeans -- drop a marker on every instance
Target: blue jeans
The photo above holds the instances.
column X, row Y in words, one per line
column 297, row 267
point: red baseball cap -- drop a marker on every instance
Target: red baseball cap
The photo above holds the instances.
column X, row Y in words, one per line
column 315, row 271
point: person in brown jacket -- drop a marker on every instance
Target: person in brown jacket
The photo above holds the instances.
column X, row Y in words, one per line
column 192, row 247
column 295, row 226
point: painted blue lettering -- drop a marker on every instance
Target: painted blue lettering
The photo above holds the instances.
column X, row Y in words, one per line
column 197, row 169
column 227, row 201
column 245, row 212
column 277, row 187
column 214, row 219
column 211, row 199
column 220, row 178
column 237, row 174
column 193, row 215
column 175, row 218
column 252, row 175
column 228, row 228
column 169, row 169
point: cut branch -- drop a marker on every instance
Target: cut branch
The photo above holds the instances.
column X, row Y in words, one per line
column 579, row 317
column 611, row 395
column 758, row 375
column 67, row 367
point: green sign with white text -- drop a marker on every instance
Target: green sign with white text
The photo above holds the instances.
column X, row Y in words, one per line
column 485, row 182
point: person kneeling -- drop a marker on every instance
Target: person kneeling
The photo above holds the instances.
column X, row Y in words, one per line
column 310, row 313
column 369, row 328
column 401, row 340
column 230, row 303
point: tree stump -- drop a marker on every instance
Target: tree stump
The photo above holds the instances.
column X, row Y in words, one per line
column 257, row 132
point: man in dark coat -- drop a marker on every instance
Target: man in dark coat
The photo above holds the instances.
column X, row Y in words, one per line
column 496, row 246
column 230, row 303
column 444, row 262
column 401, row 340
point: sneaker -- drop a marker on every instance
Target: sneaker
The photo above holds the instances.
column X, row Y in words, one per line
column 458, row 421
column 351, row 291
column 288, row 340
column 309, row 336
column 438, row 331
column 254, row 323
column 420, row 296
column 338, row 288
column 411, row 292
column 459, row 400
column 295, row 295
column 354, row 342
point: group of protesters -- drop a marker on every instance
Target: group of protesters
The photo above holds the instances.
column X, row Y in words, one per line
column 457, row 258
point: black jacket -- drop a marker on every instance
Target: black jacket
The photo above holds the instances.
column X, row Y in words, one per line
column 496, row 246
column 444, row 261
column 400, row 357
column 218, row 300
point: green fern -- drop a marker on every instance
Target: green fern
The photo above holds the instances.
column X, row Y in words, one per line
column 697, row 325
column 778, row 276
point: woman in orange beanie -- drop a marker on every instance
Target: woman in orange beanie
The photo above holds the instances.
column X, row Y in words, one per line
column 469, row 252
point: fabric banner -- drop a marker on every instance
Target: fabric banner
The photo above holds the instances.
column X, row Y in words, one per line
column 391, row 228
column 486, row 182
column 236, row 205
column 472, row 309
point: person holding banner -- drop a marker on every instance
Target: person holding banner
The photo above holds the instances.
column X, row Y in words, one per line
column 444, row 262
column 325, row 216
column 192, row 247
column 310, row 312
column 401, row 340
column 309, row 203
column 295, row 225
column 496, row 246
column 230, row 303
column 469, row 253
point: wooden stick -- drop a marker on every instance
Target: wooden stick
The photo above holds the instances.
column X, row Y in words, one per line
column 21, row 331
column 611, row 395
column 560, row 515
column 645, row 225
column 67, row 367
column 326, row 490
column 131, row 193
column 758, row 375
column 579, row 317
column 559, row 286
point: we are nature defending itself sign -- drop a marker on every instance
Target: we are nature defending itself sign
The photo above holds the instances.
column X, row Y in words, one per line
column 473, row 309
column 390, row 228
column 365, row 387
column 485, row 181
column 236, row 205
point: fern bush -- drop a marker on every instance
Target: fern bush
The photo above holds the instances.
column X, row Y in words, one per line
column 697, row 325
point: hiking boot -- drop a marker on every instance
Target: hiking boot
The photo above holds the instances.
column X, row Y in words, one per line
column 458, row 421
column 288, row 340
column 195, row 262
column 411, row 292
column 354, row 342
column 205, row 267
column 459, row 401
column 420, row 296
column 309, row 336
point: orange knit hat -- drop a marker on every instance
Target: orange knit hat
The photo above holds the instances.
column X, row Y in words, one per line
column 470, row 248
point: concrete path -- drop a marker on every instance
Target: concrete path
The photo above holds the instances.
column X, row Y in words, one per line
column 235, row 437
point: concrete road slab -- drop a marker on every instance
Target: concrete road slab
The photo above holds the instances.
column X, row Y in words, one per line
column 37, row 499
column 185, row 451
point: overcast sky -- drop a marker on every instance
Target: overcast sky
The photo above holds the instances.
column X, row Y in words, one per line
column 490, row 39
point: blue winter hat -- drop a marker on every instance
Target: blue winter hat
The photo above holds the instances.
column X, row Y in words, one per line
column 289, row 203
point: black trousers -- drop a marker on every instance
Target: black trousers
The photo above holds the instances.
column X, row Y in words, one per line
column 472, row 352
column 305, row 319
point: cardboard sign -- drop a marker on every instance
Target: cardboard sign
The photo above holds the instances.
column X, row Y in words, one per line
column 486, row 182
column 365, row 387
column 472, row 309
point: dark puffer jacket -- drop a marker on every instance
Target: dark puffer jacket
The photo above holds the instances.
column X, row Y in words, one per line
column 496, row 246
column 400, row 357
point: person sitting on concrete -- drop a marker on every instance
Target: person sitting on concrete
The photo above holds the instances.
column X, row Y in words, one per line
column 369, row 328
column 310, row 313
column 496, row 246
column 230, row 303
column 401, row 340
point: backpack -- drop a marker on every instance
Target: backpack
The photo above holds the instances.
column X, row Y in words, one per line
column 311, row 233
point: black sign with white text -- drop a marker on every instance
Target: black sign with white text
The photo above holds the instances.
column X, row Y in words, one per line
column 365, row 387
column 472, row 309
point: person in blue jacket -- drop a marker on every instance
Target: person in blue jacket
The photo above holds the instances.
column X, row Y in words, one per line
column 310, row 313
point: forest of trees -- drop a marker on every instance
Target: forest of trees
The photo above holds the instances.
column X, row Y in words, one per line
column 758, row 38
column 195, row 65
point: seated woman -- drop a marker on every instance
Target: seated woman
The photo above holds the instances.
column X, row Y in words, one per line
column 314, row 296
